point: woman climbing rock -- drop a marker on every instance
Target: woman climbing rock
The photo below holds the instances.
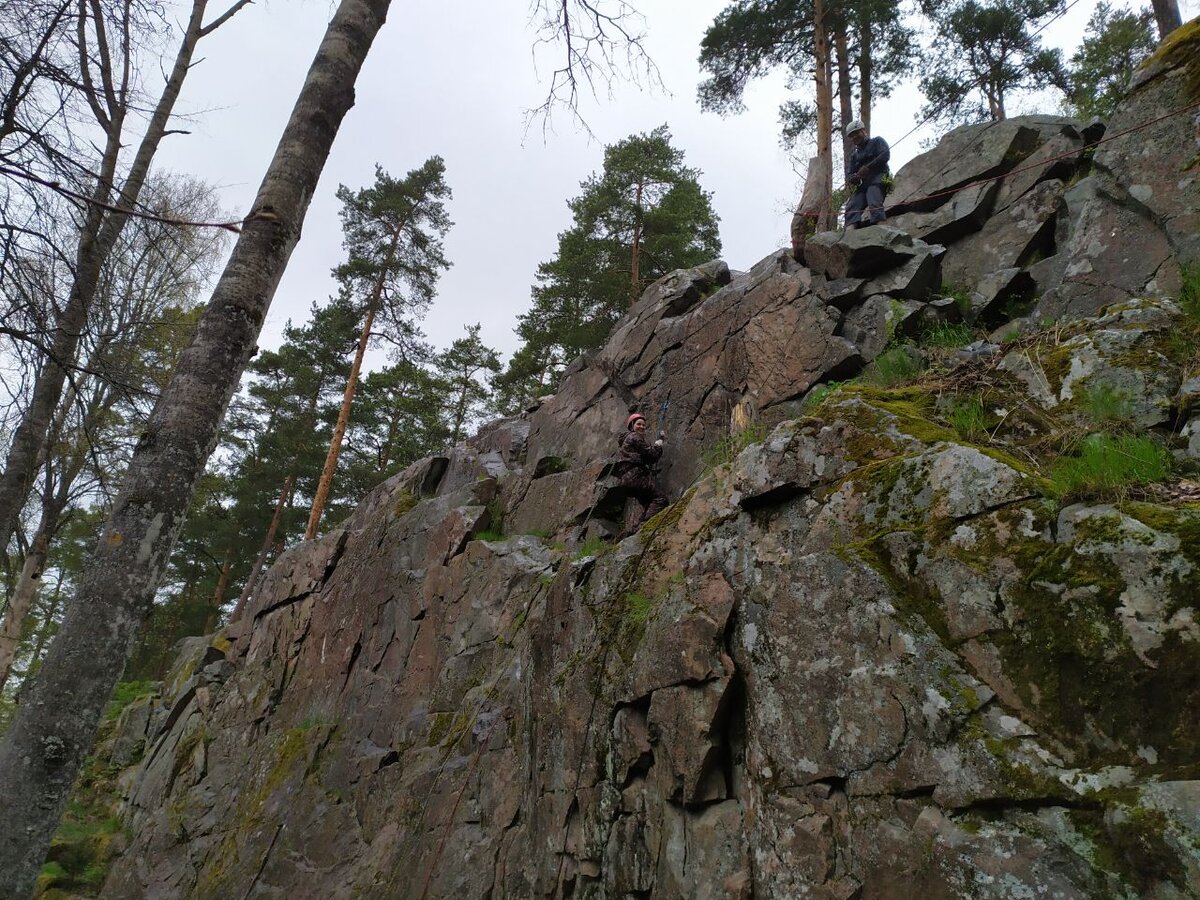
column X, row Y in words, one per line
column 635, row 467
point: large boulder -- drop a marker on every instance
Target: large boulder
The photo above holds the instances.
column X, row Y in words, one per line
column 857, row 252
column 967, row 155
column 1138, row 221
column 1009, row 239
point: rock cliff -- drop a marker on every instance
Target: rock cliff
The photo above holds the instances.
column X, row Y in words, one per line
column 877, row 648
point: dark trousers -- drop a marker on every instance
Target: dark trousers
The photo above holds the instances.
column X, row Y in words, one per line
column 866, row 206
column 642, row 487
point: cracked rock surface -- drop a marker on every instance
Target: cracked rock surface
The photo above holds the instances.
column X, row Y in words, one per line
column 864, row 657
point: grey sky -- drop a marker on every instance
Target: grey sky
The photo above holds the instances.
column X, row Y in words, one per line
column 454, row 78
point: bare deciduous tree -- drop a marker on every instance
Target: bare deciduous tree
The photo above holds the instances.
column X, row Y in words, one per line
column 105, row 78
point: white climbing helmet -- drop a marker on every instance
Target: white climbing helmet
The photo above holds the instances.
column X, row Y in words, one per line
column 855, row 125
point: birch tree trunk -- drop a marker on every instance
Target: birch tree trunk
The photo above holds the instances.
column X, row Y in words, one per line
column 42, row 751
column 22, row 599
column 635, row 264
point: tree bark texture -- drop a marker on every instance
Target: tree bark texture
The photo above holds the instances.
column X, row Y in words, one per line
column 321, row 497
column 97, row 239
column 845, row 101
column 635, row 264
column 824, row 94
column 42, row 751
column 1166, row 14
column 865, row 74
column 22, row 599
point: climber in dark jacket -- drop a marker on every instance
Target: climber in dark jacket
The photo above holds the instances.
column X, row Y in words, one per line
column 867, row 169
column 635, row 467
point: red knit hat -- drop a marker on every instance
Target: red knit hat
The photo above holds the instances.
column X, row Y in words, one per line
column 633, row 418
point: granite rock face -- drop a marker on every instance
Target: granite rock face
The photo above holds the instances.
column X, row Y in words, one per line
column 862, row 659
column 861, row 656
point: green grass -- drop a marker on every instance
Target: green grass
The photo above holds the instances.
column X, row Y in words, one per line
column 593, row 546
column 820, row 394
column 960, row 294
column 1108, row 465
column 892, row 367
column 638, row 607
column 1189, row 293
column 725, row 450
column 1106, row 405
column 124, row 694
column 947, row 336
column 968, row 418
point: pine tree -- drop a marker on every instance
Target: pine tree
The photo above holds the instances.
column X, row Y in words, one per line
column 644, row 216
column 1114, row 44
column 986, row 51
column 400, row 416
column 393, row 234
column 460, row 367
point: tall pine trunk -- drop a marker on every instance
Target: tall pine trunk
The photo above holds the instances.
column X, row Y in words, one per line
column 42, row 751
column 845, row 102
column 321, row 497
column 824, row 94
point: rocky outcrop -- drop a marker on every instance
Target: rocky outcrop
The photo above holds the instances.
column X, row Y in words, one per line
column 864, row 658
column 873, row 650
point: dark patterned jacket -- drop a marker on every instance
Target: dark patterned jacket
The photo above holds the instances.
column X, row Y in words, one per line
column 636, row 453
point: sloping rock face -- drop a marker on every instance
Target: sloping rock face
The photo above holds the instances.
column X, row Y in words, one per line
column 865, row 657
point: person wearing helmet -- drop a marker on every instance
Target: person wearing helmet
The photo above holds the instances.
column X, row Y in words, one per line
column 867, row 168
column 635, row 467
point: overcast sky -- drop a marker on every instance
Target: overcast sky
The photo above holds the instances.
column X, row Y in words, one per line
column 455, row 79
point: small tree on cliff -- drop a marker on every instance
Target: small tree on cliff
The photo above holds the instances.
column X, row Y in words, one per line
column 393, row 236
column 1115, row 43
column 985, row 52
column 460, row 366
column 642, row 217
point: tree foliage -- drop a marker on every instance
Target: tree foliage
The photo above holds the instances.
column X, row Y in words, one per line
column 393, row 233
column 873, row 50
column 984, row 53
column 643, row 216
column 1114, row 44
column 460, row 367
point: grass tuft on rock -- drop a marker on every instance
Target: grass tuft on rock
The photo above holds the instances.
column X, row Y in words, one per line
column 725, row 450
column 968, row 418
column 894, row 366
column 947, row 336
column 1107, row 466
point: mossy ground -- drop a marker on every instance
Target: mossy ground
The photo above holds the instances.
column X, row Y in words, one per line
column 90, row 835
